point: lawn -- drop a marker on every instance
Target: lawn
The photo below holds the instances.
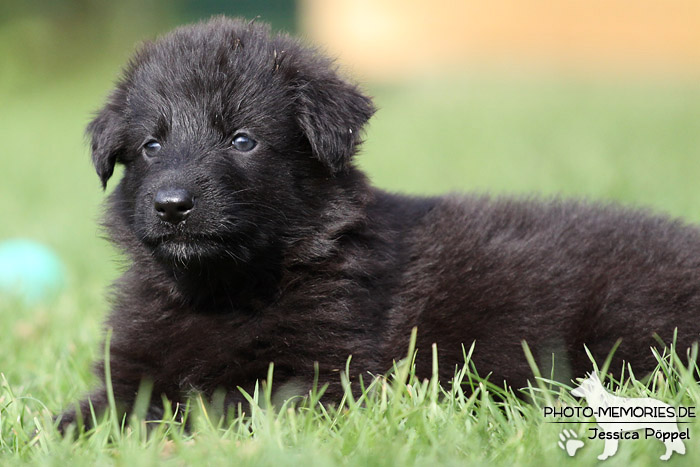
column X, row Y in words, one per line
column 637, row 143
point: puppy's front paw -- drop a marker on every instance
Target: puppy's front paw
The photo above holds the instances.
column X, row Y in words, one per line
column 65, row 420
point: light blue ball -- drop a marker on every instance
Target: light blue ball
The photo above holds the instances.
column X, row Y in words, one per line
column 29, row 271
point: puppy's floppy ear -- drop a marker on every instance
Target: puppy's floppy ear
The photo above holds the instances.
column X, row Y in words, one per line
column 332, row 113
column 106, row 134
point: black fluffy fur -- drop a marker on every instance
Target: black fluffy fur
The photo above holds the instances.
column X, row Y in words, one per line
column 291, row 257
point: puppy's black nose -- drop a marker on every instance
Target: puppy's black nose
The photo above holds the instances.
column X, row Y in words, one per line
column 173, row 204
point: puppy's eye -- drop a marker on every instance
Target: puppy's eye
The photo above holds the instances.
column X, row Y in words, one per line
column 242, row 142
column 151, row 148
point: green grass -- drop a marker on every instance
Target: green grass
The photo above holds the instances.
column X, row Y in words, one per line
column 636, row 143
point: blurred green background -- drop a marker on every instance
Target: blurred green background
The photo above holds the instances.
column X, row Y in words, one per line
column 628, row 137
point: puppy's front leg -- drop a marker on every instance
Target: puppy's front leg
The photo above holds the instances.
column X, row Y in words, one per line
column 90, row 410
column 81, row 412
column 127, row 378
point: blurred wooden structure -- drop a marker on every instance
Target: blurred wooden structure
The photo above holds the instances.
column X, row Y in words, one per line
column 376, row 38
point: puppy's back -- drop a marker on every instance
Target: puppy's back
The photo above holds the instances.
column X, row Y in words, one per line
column 557, row 274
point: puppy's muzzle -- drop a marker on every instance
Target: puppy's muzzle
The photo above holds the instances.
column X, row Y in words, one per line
column 173, row 205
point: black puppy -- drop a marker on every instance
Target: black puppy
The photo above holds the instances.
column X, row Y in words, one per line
column 254, row 239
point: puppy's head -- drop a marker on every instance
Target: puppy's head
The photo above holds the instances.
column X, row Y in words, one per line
column 229, row 137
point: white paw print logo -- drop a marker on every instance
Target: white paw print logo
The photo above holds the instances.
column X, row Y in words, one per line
column 569, row 442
